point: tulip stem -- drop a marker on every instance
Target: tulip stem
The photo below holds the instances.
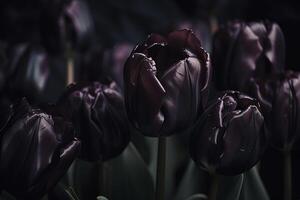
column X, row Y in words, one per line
column 160, row 170
column 101, row 177
column 287, row 176
column 213, row 187
column 70, row 64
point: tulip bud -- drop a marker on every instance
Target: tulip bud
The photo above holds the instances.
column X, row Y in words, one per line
column 98, row 114
column 36, row 150
column 242, row 51
column 279, row 96
column 230, row 138
column 166, row 82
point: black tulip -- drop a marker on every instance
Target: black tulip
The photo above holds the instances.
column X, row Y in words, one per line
column 98, row 114
column 242, row 51
column 65, row 24
column 30, row 71
column 279, row 96
column 230, row 138
column 36, row 150
column 166, row 82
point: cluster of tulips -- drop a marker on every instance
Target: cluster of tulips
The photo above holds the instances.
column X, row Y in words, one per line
column 230, row 106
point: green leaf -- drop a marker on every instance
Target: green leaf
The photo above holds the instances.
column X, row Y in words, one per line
column 253, row 187
column 197, row 197
column 229, row 187
column 125, row 177
column 131, row 179
column 101, row 198
column 61, row 192
column 194, row 181
column 6, row 196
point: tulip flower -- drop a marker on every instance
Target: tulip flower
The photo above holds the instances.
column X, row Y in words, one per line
column 36, row 150
column 98, row 114
column 65, row 23
column 31, row 72
column 242, row 51
column 166, row 82
column 279, row 96
column 230, row 138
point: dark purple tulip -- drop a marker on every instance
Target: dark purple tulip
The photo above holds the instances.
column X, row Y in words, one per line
column 279, row 96
column 166, row 82
column 28, row 72
column 114, row 60
column 65, row 22
column 242, row 51
column 99, row 64
column 36, row 150
column 31, row 72
column 98, row 114
column 230, row 137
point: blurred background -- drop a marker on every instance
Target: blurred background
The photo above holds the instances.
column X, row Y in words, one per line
column 39, row 39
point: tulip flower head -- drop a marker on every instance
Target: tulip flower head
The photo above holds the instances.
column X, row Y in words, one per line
column 242, row 51
column 36, row 150
column 98, row 113
column 166, row 82
column 230, row 137
column 279, row 96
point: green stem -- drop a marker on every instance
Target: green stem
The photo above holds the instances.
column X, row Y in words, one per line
column 70, row 64
column 101, row 178
column 287, row 176
column 213, row 187
column 160, row 170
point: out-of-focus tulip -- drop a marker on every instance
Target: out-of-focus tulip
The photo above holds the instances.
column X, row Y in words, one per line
column 230, row 138
column 166, row 82
column 65, row 22
column 36, row 150
column 99, row 64
column 279, row 96
column 242, row 51
column 98, row 114
column 31, row 72
column 114, row 60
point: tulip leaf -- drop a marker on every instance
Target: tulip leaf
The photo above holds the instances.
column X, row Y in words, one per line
column 61, row 192
column 101, row 198
column 229, row 187
column 253, row 187
column 193, row 181
column 122, row 178
column 197, row 197
column 6, row 196
column 127, row 173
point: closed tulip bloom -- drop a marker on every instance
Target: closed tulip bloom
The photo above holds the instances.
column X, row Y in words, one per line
column 242, row 51
column 279, row 96
column 230, row 138
column 98, row 114
column 65, row 22
column 33, row 73
column 166, row 82
column 36, row 150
